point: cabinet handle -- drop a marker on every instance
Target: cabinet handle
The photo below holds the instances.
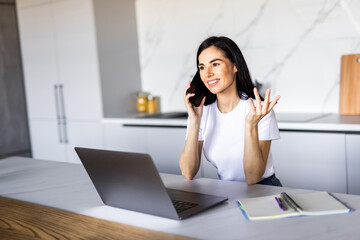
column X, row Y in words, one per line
column 63, row 116
column 58, row 114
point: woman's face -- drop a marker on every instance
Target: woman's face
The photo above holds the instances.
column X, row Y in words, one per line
column 217, row 71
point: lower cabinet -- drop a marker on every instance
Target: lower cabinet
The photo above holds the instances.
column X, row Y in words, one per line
column 83, row 134
column 353, row 163
column 311, row 160
column 308, row 160
column 164, row 144
column 127, row 139
column 50, row 142
column 46, row 142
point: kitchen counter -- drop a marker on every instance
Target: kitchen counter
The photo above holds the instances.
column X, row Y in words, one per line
column 311, row 122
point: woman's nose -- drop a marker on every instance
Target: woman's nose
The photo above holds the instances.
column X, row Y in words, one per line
column 209, row 72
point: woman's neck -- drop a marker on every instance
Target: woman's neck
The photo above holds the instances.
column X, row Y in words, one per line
column 227, row 102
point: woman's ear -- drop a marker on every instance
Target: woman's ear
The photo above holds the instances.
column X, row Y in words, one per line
column 235, row 69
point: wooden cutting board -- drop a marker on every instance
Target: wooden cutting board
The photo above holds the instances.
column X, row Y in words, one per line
column 350, row 85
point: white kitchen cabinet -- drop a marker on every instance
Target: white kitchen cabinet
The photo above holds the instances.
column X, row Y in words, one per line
column 46, row 142
column 128, row 139
column 77, row 58
column 353, row 162
column 165, row 145
column 37, row 38
column 311, row 160
column 61, row 76
column 83, row 134
column 207, row 169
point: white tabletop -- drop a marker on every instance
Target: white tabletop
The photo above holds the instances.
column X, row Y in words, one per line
column 67, row 186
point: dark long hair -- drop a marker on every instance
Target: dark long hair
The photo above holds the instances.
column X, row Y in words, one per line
column 244, row 85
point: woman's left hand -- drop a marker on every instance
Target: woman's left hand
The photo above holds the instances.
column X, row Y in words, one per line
column 259, row 111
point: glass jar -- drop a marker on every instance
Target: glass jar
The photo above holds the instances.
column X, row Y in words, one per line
column 153, row 104
column 142, row 102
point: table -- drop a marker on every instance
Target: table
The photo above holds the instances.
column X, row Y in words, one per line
column 66, row 186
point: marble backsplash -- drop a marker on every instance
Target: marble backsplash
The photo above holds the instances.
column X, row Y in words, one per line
column 291, row 46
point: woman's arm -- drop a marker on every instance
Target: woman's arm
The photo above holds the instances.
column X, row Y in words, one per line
column 190, row 158
column 256, row 152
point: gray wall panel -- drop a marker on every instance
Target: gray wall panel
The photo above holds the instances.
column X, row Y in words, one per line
column 14, row 132
column 118, row 55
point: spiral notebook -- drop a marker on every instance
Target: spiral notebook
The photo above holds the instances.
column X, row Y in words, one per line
column 290, row 205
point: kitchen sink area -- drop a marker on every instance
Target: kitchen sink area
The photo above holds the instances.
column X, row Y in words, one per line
column 165, row 115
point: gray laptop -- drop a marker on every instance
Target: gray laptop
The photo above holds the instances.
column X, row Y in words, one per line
column 131, row 181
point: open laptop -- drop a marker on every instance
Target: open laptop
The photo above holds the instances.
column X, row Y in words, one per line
column 131, row 181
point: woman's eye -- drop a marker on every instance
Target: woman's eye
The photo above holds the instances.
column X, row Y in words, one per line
column 216, row 64
column 201, row 68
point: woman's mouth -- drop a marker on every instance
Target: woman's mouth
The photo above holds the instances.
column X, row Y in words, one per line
column 213, row 82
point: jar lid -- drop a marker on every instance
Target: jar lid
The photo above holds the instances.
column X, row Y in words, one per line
column 142, row 94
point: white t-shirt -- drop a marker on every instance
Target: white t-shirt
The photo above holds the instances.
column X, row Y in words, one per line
column 224, row 137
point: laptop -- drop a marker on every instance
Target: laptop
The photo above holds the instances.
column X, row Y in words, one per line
column 131, row 181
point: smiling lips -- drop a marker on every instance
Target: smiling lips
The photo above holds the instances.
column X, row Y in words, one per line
column 213, row 82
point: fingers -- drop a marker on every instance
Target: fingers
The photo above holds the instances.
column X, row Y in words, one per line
column 252, row 105
column 258, row 100
column 202, row 101
column 266, row 102
column 273, row 103
column 266, row 106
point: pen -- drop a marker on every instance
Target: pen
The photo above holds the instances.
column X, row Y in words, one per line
column 278, row 200
column 290, row 202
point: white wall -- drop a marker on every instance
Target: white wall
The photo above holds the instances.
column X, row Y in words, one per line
column 292, row 46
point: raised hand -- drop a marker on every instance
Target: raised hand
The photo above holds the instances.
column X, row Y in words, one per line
column 259, row 111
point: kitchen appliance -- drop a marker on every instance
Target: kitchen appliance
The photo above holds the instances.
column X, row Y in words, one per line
column 350, row 85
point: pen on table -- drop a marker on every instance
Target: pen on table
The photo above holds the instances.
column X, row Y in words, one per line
column 279, row 203
column 291, row 202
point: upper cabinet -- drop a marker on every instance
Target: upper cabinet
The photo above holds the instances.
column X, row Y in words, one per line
column 60, row 60
column 39, row 56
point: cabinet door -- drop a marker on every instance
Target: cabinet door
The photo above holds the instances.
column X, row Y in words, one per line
column 311, row 160
column 83, row 134
column 29, row 3
column 208, row 170
column 353, row 163
column 128, row 139
column 37, row 39
column 165, row 147
column 46, row 141
column 77, row 57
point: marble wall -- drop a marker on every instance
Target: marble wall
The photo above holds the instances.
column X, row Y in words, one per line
column 292, row 46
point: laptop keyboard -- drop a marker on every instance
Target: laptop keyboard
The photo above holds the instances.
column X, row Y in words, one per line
column 181, row 206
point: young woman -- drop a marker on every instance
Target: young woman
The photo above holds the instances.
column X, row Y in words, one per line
column 232, row 125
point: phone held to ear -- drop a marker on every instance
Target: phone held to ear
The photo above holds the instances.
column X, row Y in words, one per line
column 197, row 87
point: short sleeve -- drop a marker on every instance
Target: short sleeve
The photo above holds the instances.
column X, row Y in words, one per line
column 268, row 127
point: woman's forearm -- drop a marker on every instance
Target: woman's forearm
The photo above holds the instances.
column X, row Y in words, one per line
column 190, row 157
column 254, row 161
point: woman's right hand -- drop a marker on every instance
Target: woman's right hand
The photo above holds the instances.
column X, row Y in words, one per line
column 194, row 113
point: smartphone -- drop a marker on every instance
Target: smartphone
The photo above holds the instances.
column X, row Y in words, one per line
column 198, row 87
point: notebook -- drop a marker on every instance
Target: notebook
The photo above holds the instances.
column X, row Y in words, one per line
column 289, row 205
column 131, row 181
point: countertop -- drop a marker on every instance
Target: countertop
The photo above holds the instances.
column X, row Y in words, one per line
column 313, row 122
